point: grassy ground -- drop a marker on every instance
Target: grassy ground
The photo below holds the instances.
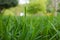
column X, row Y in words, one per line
column 29, row 28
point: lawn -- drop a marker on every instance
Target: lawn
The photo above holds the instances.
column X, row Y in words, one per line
column 29, row 28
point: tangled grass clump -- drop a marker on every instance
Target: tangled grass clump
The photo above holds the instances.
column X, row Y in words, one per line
column 29, row 28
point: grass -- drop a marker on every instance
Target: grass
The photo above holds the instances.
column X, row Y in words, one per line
column 29, row 28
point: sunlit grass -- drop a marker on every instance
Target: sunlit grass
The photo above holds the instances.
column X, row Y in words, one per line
column 29, row 28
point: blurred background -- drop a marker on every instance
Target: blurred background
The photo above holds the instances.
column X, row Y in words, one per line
column 35, row 7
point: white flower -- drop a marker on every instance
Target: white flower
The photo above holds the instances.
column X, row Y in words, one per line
column 22, row 14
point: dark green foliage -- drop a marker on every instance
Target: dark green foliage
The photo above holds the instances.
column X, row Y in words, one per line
column 8, row 3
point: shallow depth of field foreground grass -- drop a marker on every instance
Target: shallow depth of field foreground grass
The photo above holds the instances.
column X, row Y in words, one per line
column 29, row 28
